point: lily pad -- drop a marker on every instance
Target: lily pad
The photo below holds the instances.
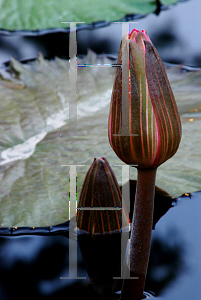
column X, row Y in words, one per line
column 35, row 140
column 37, row 14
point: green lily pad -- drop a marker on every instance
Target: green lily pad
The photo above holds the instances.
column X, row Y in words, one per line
column 37, row 14
column 35, row 140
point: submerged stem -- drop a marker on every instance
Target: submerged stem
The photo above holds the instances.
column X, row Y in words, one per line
column 141, row 232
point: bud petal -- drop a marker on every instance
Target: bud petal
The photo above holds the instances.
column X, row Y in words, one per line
column 164, row 105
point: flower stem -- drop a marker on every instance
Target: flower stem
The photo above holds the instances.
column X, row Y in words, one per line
column 141, row 232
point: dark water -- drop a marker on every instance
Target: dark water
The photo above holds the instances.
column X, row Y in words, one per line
column 33, row 265
column 176, row 274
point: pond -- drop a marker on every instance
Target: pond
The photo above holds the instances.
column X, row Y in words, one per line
column 34, row 263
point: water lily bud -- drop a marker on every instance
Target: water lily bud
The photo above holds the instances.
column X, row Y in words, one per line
column 100, row 190
column 154, row 121
column 99, row 234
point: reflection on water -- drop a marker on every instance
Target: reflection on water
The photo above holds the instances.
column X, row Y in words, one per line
column 34, row 264
column 102, row 257
column 181, row 228
column 166, row 261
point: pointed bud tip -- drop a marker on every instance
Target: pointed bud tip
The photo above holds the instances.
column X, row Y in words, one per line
column 100, row 159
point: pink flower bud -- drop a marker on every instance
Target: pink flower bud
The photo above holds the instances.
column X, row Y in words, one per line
column 154, row 121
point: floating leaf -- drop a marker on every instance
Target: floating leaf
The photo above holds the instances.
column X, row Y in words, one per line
column 35, row 139
column 36, row 14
